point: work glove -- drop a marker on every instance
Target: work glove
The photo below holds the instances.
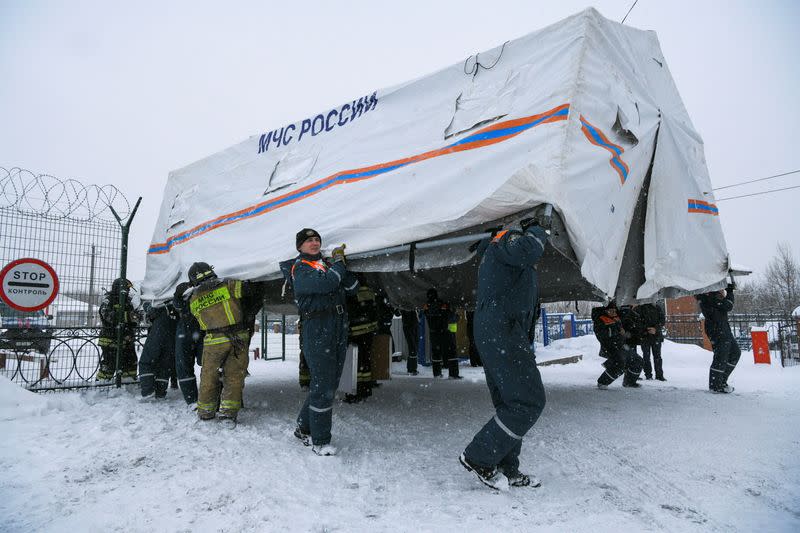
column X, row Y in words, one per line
column 527, row 222
column 338, row 254
column 171, row 311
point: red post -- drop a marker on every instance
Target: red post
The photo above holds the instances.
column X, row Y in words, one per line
column 760, row 346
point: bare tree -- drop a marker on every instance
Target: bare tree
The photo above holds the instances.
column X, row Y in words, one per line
column 782, row 280
column 750, row 297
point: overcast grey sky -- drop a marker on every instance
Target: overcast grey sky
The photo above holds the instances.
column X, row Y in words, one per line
column 124, row 92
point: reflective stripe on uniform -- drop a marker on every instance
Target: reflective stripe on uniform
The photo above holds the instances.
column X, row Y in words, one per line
column 211, row 407
column 504, row 428
column 499, row 235
column 231, row 404
column 228, row 313
column 316, row 265
column 318, row 410
column 213, row 340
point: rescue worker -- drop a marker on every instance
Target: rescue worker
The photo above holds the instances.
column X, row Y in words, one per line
column 506, row 299
column 108, row 332
column 188, row 345
column 219, row 307
column 653, row 318
column 410, row 332
column 158, row 355
column 442, row 326
column 362, row 312
column 715, row 307
column 615, row 348
column 320, row 288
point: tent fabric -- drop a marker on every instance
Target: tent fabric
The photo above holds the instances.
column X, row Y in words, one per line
column 582, row 115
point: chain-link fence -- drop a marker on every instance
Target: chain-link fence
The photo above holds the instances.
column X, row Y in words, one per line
column 71, row 227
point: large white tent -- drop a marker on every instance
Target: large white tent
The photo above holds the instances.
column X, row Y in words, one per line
column 582, row 115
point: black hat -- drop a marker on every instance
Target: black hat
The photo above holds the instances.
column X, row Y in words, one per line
column 304, row 234
column 121, row 284
column 200, row 272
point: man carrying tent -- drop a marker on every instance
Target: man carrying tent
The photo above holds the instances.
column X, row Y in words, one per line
column 615, row 346
column 220, row 309
column 362, row 312
column 441, row 327
column 715, row 307
column 158, row 355
column 109, row 317
column 320, row 289
column 506, row 299
column 188, row 344
column 410, row 332
column 654, row 319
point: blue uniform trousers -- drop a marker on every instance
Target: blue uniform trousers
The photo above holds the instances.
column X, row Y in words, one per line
column 188, row 349
column 158, row 356
column 515, row 386
column 726, row 355
column 324, row 340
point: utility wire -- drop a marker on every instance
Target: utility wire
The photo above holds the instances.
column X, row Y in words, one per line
column 629, row 12
column 759, row 179
column 758, row 193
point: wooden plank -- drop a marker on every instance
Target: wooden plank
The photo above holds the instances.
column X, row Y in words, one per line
column 561, row 360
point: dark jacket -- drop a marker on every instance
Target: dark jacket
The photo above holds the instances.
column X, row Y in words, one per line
column 632, row 325
column 507, row 279
column 320, row 286
column 108, row 318
column 653, row 317
column 608, row 330
column 439, row 316
column 715, row 309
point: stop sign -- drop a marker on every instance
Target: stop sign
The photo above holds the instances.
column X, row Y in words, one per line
column 28, row 284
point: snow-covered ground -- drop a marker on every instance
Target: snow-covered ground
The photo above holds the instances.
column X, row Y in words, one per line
column 668, row 457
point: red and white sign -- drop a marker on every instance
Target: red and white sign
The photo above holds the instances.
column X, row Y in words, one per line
column 28, row 284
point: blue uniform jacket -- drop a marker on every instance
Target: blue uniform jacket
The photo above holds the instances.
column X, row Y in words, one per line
column 507, row 280
column 319, row 285
column 715, row 309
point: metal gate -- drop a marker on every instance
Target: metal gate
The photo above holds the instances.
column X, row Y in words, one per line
column 71, row 227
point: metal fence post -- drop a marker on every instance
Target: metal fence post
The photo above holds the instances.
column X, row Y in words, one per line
column 545, row 332
column 283, row 337
column 123, row 293
column 263, row 333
